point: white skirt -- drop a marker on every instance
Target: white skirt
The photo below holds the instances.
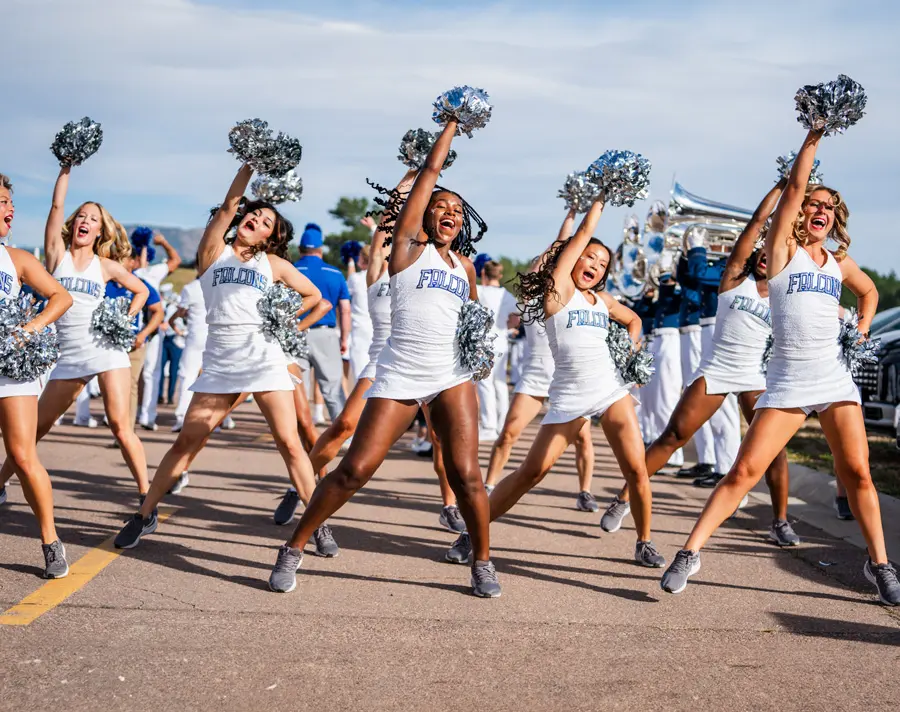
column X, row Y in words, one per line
column 243, row 363
column 720, row 381
column 10, row 388
column 83, row 358
column 567, row 412
column 537, row 374
column 793, row 386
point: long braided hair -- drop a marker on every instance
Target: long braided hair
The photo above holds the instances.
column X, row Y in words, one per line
column 535, row 287
column 463, row 243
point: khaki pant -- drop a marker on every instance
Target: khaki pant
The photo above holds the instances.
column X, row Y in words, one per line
column 137, row 365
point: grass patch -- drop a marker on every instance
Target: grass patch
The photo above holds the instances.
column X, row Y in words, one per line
column 808, row 447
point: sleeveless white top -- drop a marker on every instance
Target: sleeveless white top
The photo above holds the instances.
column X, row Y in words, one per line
column 806, row 368
column 9, row 289
column 239, row 357
column 420, row 358
column 742, row 328
column 586, row 381
column 378, row 297
column 360, row 322
column 82, row 353
column 538, row 366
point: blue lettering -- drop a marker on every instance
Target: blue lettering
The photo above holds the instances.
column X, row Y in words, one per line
column 384, row 290
column 439, row 279
column 753, row 307
column 6, row 282
column 814, row 282
column 587, row 317
column 244, row 276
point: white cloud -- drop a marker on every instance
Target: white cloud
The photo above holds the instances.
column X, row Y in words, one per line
column 706, row 93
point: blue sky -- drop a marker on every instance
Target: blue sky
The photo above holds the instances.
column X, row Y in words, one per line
column 703, row 89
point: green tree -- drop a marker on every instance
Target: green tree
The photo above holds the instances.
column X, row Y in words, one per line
column 888, row 286
column 349, row 211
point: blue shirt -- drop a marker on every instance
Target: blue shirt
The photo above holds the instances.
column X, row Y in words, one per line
column 668, row 305
column 330, row 282
column 689, row 314
column 708, row 273
column 114, row 289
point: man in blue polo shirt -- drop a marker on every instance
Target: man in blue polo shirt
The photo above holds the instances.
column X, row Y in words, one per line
column 328, row 338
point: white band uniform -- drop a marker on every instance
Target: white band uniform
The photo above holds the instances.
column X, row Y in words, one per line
column 586, row 381
column 9, row 289
column 379, row 300
column 806, row 369
column 420, row 359
column 239, row 357
column 82, row 353
column 743, row 326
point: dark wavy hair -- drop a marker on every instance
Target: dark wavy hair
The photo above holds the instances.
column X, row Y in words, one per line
column 534, row 287
column 282, row 231
column 463, row 243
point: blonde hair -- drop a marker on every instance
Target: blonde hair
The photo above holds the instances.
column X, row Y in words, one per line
column 365, row 252
column 839, row 228
column 112, row 242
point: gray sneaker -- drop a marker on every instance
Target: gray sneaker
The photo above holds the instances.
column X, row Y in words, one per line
column 611, row 521
column 461, row 550
column 782, row 533
column 134, row 529
column 841, row 507
column 884, row 576
column 284, row 576
column 586, row 503
column 284, row 512
column 484, row 580
column 325, row 544
column 180, row 483
column 451, row 519
column 647, row 555
column 2, row 495
column 675, row 579
column 55, row 564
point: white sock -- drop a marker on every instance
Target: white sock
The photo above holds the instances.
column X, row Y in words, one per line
column 319, row 411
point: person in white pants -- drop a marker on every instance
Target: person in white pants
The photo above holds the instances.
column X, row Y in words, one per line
column 154, row 274
column 493, row 393
column 360, row 322
column 192, row 309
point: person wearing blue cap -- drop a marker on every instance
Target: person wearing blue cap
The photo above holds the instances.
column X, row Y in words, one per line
column 328, row 338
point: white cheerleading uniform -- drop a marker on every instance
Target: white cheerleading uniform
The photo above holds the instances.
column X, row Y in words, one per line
column 360, row 324
column 807, row 369
column 420, row 359
column 9, row 289
column 82, row 353
column 537, row 371
column 586, row 381
column 194, row 344
column 239, row 357
column 378, row 297
column 743, row 326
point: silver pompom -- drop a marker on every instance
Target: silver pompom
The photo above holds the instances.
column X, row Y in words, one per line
column 475, row 339
column 635, row 365
column 856, row 349
column 623, row 176
column 416, row 145
column 252, row 142
column 77, row 141
column 279, row 307
column 579, row 191
column 831, row 107
column 469, row 106
column 786, row 162
column 767, row 354
column 278, row 190
column 113, row 324
column 24, row 355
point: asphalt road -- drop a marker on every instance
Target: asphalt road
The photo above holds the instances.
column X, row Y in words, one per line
column 185, row 622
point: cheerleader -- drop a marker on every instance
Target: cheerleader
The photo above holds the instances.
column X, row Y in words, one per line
column 806, row 373
column 83, row 253
column 242, row 253
column 19, row 399
column 567, row 293
column 529, row 395
column 429, row 283
column 733, row 366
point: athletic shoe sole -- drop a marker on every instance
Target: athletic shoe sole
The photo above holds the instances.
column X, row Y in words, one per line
column 482, row 595
column 780, row 543
column 275, row 590
column 458, row 563
column 694, row 569
column 582, row 508
column 144, row 532
column 58, row 576
column 325, row 556
column 870, row 577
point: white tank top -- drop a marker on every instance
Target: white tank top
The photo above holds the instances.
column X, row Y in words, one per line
column 9, row 279
column 359, row 308
column 192, row 300
column 577, row 334
column 743, row 326
column 537, row 343
column 87, row 290
column 231, row 289
column 379, row 300
column 805, row 301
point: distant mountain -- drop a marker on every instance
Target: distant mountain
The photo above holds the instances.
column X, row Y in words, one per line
column 185, row 240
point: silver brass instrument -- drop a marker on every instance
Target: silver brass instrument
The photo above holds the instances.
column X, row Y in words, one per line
column 724, row 223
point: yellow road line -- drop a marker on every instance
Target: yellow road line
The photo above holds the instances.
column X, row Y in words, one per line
column 55, row 591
